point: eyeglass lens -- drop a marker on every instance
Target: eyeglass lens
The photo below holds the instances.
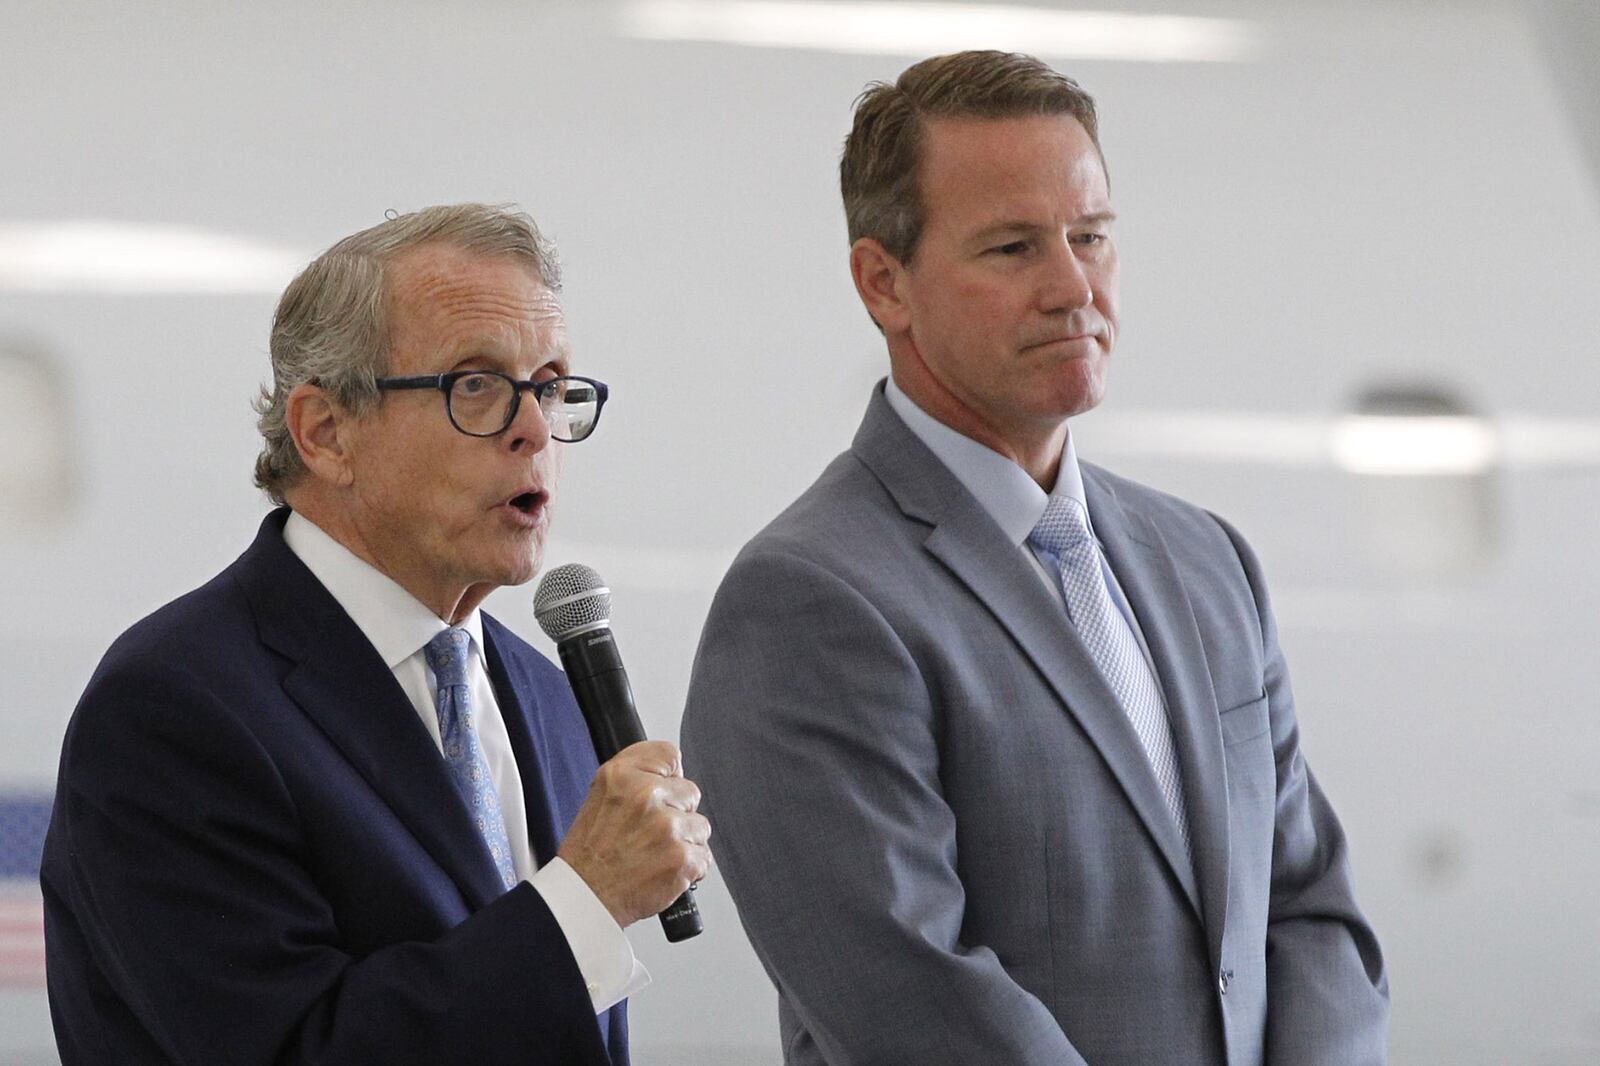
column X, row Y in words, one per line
column 482, row 404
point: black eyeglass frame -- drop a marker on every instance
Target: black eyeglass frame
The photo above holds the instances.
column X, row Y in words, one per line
column 443, row 383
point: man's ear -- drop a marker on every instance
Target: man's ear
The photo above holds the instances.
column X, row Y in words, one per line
column 317, row 425
column 878, row 275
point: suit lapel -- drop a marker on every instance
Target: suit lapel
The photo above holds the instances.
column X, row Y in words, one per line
column 1154, row 587
column 967, row 541
column 338, row 680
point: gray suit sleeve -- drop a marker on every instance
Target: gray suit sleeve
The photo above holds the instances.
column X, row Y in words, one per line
column 1327, row 989
column 815, row 738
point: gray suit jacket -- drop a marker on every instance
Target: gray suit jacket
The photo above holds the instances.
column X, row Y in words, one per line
column 944, row 839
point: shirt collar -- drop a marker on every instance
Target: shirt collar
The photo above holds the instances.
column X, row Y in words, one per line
column 1001, row 487
column 396, row 622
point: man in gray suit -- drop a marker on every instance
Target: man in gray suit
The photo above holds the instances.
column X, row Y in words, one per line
column 1002, row 749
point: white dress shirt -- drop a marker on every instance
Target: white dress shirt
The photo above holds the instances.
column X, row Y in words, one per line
column 400, row 627
column 1011, row 497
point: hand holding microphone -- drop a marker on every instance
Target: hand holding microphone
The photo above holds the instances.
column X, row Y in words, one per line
column 638, row 841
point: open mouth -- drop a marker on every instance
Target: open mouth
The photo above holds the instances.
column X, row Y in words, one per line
column 528, row 502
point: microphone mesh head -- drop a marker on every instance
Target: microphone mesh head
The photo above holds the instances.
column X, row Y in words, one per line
column 571, row 597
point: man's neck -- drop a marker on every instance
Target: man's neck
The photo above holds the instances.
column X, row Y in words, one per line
column 450, row 604
column 1038, row 454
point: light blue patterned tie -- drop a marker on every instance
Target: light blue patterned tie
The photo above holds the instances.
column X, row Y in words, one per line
column 1063, row 531
column 458, row 735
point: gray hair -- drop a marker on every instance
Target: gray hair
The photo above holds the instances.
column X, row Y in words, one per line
column 332, row 327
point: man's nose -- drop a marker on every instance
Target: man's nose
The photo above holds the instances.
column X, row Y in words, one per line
column 1065, row 285
column 530, row 429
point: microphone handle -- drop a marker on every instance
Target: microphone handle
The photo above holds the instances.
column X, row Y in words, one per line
column 600, row 684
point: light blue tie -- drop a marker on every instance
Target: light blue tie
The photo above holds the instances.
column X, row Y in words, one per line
column 458, row 736
column 1063, row 531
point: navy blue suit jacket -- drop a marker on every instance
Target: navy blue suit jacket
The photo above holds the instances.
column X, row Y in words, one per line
column 257, row 856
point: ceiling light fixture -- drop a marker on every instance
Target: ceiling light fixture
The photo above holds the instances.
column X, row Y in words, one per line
column 917, row 29
column 1358, row 443
column 85, row 255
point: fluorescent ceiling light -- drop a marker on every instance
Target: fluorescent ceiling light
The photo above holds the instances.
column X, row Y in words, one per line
column 931, row 28
column 1370, row 444
column 123, row 257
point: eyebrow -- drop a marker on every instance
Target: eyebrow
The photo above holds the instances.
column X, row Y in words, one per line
column 1019, row 226
column 561, row 362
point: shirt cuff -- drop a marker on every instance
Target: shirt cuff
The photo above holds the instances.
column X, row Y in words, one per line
column 605, row 958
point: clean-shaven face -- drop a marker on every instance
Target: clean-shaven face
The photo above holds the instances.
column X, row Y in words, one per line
column 1012, row 289
column 440, row 511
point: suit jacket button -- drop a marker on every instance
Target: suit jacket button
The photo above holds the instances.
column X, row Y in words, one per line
column 1222, row 981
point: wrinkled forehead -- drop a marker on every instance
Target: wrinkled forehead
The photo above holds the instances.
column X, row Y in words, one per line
column 444, row 275
column 446, row 298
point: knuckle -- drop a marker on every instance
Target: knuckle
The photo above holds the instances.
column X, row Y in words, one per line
column 610, row 775
column 668, row 753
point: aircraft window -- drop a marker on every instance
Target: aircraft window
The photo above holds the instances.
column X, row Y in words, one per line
column 36, row 480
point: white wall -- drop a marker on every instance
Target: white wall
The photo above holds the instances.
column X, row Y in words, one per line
column 1390, row 189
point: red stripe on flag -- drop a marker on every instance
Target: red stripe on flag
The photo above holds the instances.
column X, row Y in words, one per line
column 21, row 936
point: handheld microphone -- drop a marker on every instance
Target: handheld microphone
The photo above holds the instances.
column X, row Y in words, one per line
column 573, row 607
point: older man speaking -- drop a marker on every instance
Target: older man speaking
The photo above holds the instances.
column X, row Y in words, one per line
column 322, row 809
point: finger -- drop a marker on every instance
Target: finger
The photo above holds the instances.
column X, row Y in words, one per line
column 700, row 865
column 659, row 757
column 693, row 829
column 680, row 794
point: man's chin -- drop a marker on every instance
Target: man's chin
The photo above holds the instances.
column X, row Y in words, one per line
column 518, row 568
column 1084, row 389
column 526, row 572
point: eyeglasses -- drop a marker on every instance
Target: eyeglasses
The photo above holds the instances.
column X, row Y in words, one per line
column 482, row 403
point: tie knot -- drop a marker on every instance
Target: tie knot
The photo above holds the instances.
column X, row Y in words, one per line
column 1064, row 524
column 447, row 656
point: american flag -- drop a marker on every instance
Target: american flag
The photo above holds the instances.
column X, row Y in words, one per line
column 23, row 818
